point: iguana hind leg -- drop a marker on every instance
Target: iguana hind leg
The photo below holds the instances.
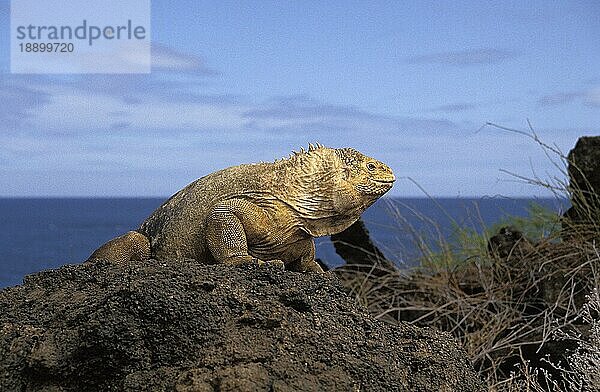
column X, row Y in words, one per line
column 131, row 246
column 228, row 227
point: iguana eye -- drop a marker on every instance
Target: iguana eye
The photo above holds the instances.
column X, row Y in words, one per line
column 371, row 166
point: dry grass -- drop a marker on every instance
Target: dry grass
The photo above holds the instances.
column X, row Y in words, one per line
column 504, row 312
column 523, row 318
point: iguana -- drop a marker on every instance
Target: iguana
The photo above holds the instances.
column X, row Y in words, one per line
column 259, row 213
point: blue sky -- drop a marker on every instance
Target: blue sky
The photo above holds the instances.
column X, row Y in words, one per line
column 410, row 83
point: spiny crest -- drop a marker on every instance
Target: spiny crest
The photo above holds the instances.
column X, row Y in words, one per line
column 349, row 156
column 311, row 148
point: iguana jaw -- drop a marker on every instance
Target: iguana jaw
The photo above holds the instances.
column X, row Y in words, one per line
column 388, row 178
column 383, row 185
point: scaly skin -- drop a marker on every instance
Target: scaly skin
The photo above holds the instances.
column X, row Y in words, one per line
column 259, row 213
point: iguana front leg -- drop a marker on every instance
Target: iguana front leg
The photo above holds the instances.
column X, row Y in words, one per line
column 229, row 226
column 307, row 262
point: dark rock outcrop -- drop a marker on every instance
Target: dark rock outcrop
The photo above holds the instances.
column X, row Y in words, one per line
column 355, row 246
column 161, row 326
column 583, row 218
column 509, row 243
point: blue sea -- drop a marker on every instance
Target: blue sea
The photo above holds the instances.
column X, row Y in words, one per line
column 38, row 234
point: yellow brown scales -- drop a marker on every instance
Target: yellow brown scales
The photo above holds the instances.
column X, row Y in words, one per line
column 259, row 213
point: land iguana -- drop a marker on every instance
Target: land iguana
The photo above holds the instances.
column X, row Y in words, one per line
column 259, row 213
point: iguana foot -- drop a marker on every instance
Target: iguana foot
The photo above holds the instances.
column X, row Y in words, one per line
column 311, row 266
column 241, row 260
column 275, row 263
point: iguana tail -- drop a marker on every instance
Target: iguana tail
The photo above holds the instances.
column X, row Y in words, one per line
column 128, row 247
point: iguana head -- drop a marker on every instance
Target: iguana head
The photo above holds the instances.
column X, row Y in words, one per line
column 329, row 188
column 369, row 177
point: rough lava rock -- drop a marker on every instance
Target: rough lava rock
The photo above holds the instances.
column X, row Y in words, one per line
column 584, row 183
column 584, row 165
column 185, row 326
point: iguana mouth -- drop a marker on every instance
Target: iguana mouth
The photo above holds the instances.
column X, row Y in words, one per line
column 385, row 181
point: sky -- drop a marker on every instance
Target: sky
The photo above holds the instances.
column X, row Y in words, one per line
column 411, row 83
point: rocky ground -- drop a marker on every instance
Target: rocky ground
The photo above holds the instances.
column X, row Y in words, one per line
column 159, row 326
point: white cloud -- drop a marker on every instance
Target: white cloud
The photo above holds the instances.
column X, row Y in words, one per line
column 590, row 97
column 78, row 111
column 593, row 97
column 466, row 57
column 168, row 59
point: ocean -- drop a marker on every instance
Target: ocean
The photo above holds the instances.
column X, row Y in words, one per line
column 39, row 234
